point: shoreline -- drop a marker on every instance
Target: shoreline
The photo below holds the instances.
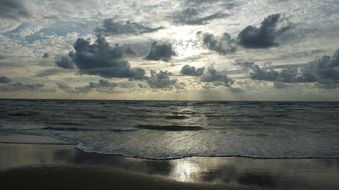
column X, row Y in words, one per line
column 55, row 141
column 20, row 161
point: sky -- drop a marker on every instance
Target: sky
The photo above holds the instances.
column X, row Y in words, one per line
column 232, row 50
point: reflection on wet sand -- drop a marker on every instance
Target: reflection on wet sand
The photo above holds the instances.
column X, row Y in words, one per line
column 241, row 172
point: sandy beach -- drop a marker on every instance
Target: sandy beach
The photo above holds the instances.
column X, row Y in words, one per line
column 34, row 166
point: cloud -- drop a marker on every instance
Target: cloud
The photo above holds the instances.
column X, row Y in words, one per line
column 250, row 37
column 245, row 64
column 287, row 75
column 279, row 85
column 265, row 35
column 50, row 72
column 21, row 87
column 4, row 79
column 30, row 33
column 160, row 51
column 101, row 86
column 191, row 16
column 223, row 45
column 257, row 73
column 64, row 87
column 65, row 62
column 161, row 80
column 45, row 55
column 324, row 71
column 192, row 71
column 326, row 68
column 296, row 75
column 101, row 59
column 13, row 9
column 110, row 27
column 212, row 4
column 212, row 75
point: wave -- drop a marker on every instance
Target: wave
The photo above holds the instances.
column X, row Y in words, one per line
column 160, row 143
column 74, row 129
column 176, row 117
column 81, row 148
column 169, row 130
column 23, row 114
column 70, row 123
column 170, row 127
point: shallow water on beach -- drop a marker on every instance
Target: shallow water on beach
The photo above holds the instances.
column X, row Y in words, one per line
column 238, row 173
column 173, row 129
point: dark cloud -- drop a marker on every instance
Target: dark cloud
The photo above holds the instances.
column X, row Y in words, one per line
column 101, row 86
column 4, row 79
column 160, row 51
column 192, row 16
column 110, row 27
column 265, row 35
column 101, row 59
column 45, row 55
column 65, row 62
column 161, row 80
column 250, row 37
column 212, row 75
column 223, row 45
column 192, row 71
column 13, row 9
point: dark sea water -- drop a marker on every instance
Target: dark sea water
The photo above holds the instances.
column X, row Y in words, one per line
column 174, row 129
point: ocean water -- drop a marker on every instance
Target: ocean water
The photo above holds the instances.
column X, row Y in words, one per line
column 174, row 129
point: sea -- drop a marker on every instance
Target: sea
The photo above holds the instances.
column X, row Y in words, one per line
column 177, row 129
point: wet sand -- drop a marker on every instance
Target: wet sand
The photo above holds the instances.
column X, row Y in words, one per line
column 89, row 178
column 34, row 166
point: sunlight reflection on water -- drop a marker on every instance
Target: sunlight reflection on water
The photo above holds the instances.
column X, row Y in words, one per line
column 195, row 169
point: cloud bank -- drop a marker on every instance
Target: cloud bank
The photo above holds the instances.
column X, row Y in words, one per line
column 22, row 87
column 101, row 86
column 323, row 70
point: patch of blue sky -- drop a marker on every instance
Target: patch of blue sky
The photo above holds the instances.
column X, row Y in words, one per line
column 15, row 33
column 44, row 33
